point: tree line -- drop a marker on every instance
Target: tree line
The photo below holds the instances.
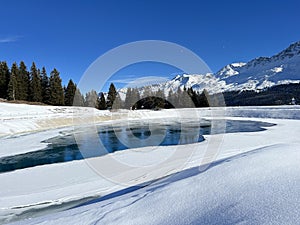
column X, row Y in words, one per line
column 34, row 85
column 148, row 98
column 284, row 94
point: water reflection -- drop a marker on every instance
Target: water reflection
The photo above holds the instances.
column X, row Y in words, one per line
column 117, row 138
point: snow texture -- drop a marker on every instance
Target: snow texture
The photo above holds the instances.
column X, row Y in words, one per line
column 253, row 179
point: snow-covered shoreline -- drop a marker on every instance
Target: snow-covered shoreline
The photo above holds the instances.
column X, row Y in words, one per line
column 57, row 184
column 18, row 119
column 29, row 125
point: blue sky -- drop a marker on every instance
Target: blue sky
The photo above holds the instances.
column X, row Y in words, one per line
column 70, row 35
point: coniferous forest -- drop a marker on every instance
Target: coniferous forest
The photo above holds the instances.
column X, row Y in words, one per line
column 21, row 83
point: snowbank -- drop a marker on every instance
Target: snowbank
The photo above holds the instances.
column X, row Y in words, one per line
column 18, row 119
column 63, row 183
column 245, row 167
column 22, row 118
column 256, row 187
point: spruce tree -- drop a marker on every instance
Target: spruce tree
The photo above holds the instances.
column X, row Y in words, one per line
column 102, row 102
column 179, row 103
column 45, row 86
column 131, row 98
column 70, row 93
column 193, row 95
column 186, row 100
column 128, row 97
column 135, row 97
column 91, row 99
column 111, row 96
column 35, row 84
column 203, row 99
column 4, row 79
column 56, row 89
column 13, row 83
column 118, row 103
column 160, row 99
column 24, row 82
column 171, row 98
column 78, row 98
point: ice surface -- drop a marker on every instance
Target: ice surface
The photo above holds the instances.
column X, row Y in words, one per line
column 253, row 178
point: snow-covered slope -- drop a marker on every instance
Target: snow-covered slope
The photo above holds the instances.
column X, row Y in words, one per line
column 257, row 74
column 230, row 70
column 257, row 187
column 197, row 82
column 264, row 72
column 22, row 118
column 232, row 187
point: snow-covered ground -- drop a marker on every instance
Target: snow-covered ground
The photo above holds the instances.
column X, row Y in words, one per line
column 22, row 118
column 256, row 187
column 44, row 122
column 253, row 179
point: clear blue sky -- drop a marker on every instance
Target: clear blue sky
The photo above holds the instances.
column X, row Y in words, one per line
column 70, row 35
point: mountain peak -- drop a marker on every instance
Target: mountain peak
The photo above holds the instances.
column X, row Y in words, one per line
column 289, row 52
column 257, row 74
column 229, row 70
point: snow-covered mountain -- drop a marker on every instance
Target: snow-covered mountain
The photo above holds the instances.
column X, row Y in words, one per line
column 196, row 81
column 257, row 74
column 264, row 72
column 230, row 70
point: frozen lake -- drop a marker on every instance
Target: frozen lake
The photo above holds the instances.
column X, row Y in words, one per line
column 135, row 133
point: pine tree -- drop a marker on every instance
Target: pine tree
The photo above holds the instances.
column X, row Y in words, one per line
column 135, row 97
column 128, row 99
column 160, row 99
column 179, row 103
column 4, row 79
column 56, row 89
column 78, row 98
column 13, row 83
column 118, row 103
column 70, row 93
column 91, row 99
column 186, row 99
column 131, row 98
column 24, row 82
column 111, row 96
column 171, row 98
column 194, row 97
column 35, row 84
column 45, row 86
column 203, row 99
column 102, row 102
